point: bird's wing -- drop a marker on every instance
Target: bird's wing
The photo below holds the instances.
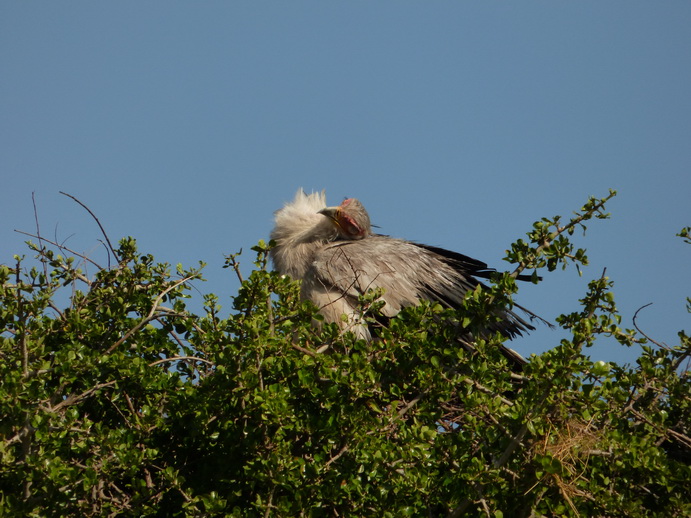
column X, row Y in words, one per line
column 405, row 271
column 341, row 271
column 472, row 266
column 466, row 267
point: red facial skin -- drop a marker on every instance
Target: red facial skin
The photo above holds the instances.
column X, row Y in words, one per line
column 348, row 225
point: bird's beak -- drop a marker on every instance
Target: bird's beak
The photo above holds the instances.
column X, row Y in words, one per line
column 330, row 212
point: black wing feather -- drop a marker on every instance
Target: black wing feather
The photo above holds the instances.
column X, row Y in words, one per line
column 475, row 267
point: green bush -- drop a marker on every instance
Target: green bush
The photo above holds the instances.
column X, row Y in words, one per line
column 123, row 402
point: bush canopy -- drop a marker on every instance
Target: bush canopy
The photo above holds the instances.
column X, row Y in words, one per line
column 122, row 401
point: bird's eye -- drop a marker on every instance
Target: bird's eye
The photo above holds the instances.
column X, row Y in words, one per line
column 349, row 225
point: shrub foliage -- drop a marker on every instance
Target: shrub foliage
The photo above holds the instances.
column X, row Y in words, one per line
column 121, row 401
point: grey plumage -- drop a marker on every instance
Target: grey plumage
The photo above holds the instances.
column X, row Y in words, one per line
column 335, row 255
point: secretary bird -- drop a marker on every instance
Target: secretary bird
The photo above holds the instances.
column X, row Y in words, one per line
column 336, row 257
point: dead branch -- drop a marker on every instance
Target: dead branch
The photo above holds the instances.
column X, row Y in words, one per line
column 110, row 246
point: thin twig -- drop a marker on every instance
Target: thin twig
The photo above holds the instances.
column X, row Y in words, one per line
column 21, row 320
column 236, row 266
column 110, row 246
column 412, row 403
column 560, row 230
column 38, row 233
column 152, row 314
column 635, row 316
column 337, row 456
column 303, row 350
column 75, row 398
column 61, row 247
column 176, row 358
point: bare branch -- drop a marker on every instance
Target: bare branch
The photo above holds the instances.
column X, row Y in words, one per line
column 38, row 232
column 75, row 398
column 21, row 321
column 235, row 264
column 635, row 325
column 303, row 350
column 110, row 246
column 61, row 247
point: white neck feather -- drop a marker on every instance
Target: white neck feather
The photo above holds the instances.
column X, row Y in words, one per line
column 299, row 232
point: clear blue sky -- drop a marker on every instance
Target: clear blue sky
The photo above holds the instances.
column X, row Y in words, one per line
column 458, row 124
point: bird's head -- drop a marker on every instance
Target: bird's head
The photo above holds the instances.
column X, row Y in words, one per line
column 350, row 219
